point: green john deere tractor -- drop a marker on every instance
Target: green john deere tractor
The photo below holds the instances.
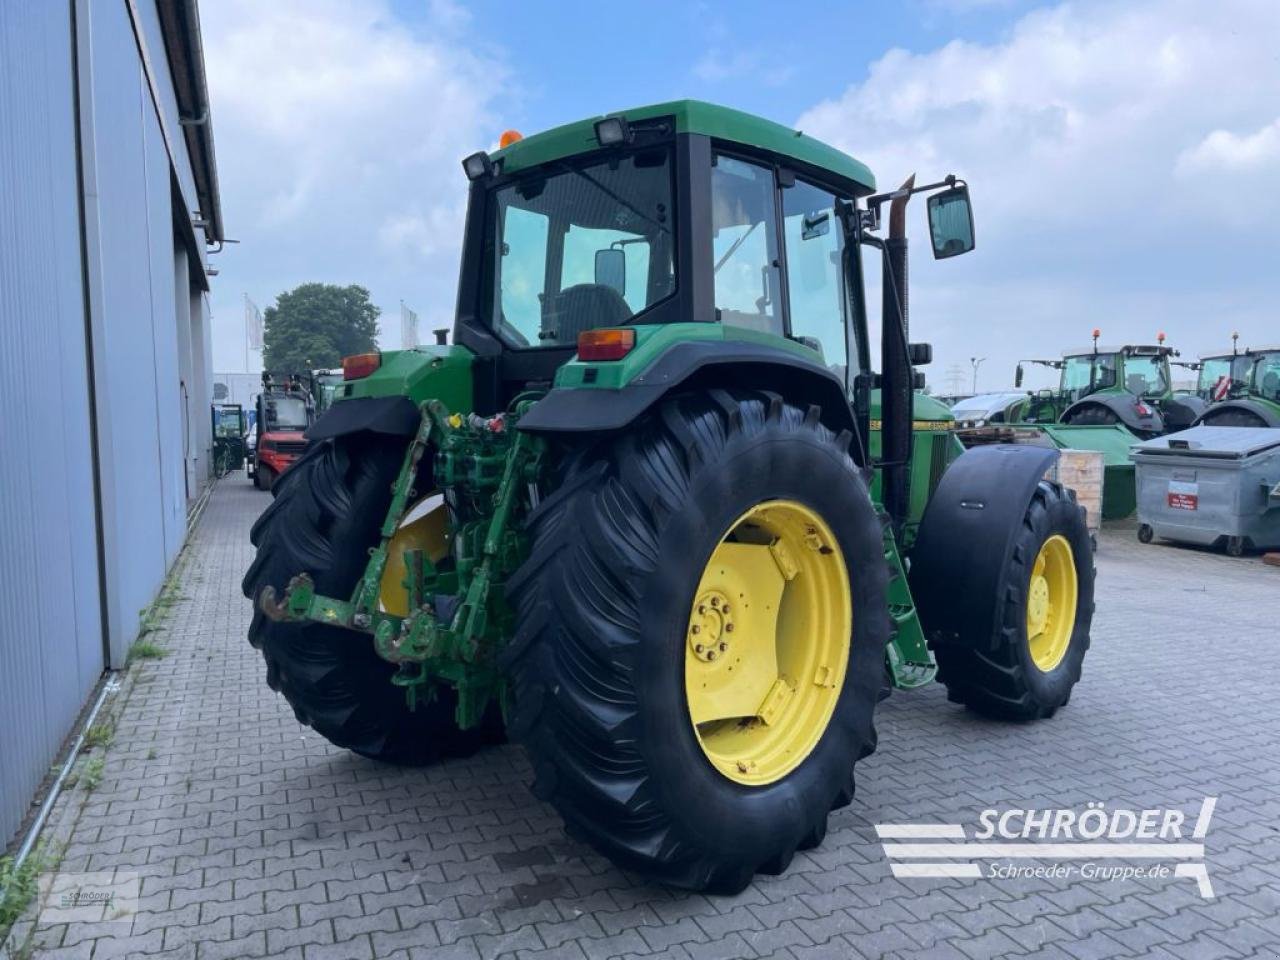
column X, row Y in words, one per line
column 1129, row 385
column 324, row 387
column 230, row 429
column 1243, row 388
column 653, row 514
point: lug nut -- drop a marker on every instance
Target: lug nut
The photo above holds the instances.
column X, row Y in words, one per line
column 715, row 601
column 723, row 647
column 698, row 648
column 725, row 608
column 702, row 608
column 696, row 629
column 728, row 628
column 711, row 654
column 742, row 766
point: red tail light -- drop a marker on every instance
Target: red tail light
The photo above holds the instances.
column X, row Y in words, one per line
column 605, row 344
column 360, row 365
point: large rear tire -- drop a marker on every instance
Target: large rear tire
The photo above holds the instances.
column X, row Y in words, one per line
column 325, row 516
column 607, row 660
column 1024, row 666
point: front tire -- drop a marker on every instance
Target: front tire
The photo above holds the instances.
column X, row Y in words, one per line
column 264, row 478
column 607, row 604
column 1024, row 666
column 326, row 515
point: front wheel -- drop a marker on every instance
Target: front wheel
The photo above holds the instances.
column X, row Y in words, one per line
column 1024, row 665
column 703, row 625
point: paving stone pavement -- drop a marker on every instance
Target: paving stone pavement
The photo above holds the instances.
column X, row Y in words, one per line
column 256, row 838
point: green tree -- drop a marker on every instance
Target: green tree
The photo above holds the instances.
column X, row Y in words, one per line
column 315, row 325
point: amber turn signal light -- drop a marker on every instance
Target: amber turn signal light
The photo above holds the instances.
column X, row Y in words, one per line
column 360, row 365
column 605, row 344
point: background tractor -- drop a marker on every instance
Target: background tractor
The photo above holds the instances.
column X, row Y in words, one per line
column 654, row 514
column 230, row 430
column 1246, row 391
column 1130, row 385
column 324, row 385
column 285, row 409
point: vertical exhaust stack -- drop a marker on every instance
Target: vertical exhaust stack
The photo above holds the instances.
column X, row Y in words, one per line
column 897, row 409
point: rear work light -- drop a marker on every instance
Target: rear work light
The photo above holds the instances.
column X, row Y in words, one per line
column 605, row 344
column 360, row 365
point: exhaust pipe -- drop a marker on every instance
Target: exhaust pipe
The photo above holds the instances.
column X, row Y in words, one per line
column 897, row 408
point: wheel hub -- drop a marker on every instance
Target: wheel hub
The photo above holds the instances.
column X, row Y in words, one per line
column 711, row 627
column 1037, row 605
column 767, row 642
column 1052, row 594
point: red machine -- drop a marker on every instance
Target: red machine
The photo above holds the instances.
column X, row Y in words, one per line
column 285, row 409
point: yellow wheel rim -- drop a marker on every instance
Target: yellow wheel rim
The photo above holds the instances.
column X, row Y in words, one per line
column 1051, row 603
column 768, row 642
column 425, row 527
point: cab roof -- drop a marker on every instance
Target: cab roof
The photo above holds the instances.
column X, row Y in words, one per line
column 691, row 116
column 1132, row 349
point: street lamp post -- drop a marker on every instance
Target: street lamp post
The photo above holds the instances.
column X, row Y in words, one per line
column 976, row 362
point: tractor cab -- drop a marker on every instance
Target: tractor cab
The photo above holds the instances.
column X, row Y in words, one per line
column 1251, row 397
column 1130, row 385
column 285, row 409
column 324, row 386
column 230, row 430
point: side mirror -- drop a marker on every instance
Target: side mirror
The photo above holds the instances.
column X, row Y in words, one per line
column 1017, row 378
column 951, row 223
column 611, row 269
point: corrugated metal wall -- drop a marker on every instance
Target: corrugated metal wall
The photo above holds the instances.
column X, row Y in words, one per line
column 50, row 636
column 135, row 340
column 105, row 313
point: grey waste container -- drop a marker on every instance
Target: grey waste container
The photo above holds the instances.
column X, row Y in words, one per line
column 1211, row 485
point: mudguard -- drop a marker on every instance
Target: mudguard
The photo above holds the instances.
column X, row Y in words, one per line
column 1183, row 411
column 967, row 532
column 1124, row 406
column 390, row 416
column 1265, row 411
column 701, row 364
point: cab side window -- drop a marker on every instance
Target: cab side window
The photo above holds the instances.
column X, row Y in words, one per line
column 816, row 280
column 744, row 245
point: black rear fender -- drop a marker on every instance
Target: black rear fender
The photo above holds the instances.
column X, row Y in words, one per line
column 699, row 365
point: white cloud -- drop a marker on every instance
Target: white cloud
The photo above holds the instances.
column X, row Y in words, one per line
column 1225, row 152
column 1072, row 131
column 339, row 132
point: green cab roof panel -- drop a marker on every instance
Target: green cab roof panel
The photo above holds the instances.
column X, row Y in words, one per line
column 691, row 116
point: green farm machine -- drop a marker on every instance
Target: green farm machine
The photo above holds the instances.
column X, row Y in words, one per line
column 1129, row 385
column 653, row 514
column 230, row 432
column 1242, row 388
column 1107, row 399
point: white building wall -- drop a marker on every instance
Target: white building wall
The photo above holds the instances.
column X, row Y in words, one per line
column 102, row 333
column 50, row 636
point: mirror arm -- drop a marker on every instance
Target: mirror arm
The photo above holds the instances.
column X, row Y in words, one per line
column 875, row 201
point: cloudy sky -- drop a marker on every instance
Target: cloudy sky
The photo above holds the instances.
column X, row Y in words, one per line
column 1122, row 157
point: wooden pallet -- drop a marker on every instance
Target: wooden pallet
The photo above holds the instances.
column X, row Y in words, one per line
column 1271, row 558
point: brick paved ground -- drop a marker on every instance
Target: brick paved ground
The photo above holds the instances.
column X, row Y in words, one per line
column 254, row 837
